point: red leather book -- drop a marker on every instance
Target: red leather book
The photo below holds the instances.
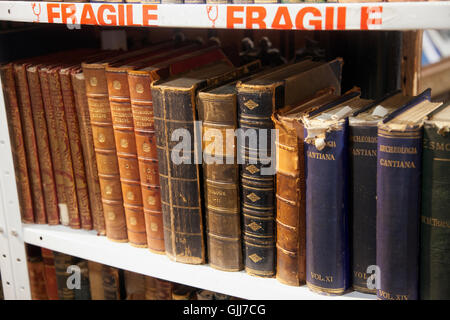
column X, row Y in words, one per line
column 50, row 274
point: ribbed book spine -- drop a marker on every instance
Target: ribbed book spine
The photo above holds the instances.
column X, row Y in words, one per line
column 122, row 120
column 399, row 164
column 327, row 252
column 87, row 143
column 435, row 219
column 257, row 187
column 17, row 143
column 221, row 181
column 45, row 160
column 105, row 150
column 30, row 143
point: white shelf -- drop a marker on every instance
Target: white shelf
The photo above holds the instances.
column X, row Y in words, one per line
column 301, row 16
column 87, row 245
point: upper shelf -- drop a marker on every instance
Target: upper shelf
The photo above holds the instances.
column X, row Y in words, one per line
column 301, row 16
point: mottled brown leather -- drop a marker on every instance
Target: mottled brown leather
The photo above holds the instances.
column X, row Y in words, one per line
column 37, row 278
column 76, row 149
column 96, row 280
column 50, row 274
column 87, row 144
column 105, row 149
column 150, row 288
column 17, row 143
column 29, row 135
column 134, row 285
column 43, row 146
column 163, row 289
column 111, row 283
column 62, row 129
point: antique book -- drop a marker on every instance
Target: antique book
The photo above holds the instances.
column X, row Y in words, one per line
column 291, row 189
column 181, row 190
column 163, row 289
column 84, row 291
column 87, row 144
column 326, row 163
column 112, row 283
column 17, row 143
column 96, row 280
column 43, row 146
column 29, row 136
column 205, row 295
column 399, row 165
column 50, row 274
column 257, row 100
column 134, row 285
column 36, row 273
column 74, row 132
column 139, row 81
column 183, row 292
column 362, row 197
column 435, row 219
column 150, row 288
column 62, row 264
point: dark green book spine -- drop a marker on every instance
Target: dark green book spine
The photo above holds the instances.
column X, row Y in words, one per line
column 435, row 218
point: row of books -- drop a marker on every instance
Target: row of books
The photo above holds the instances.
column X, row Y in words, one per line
column 124, row 128
column 58, row 276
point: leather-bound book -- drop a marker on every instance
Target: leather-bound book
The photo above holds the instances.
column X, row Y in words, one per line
column 87, row 144
column 84, row 292
column 43, row 146
column 326, row 162
column 96, row 280
column 17, row 143
column 76, row 148
column 205, row 295
column 399, row 187
column 134, row 285
column 29, row 135
column 141, row 101
column 181, row 190
column 435, row 219
column 257, row 100
column 163, row 289
column 182, row 292
column 50, row 274
column 53, row 137
column 112, row 283
column 363, row 186
column 62, row 263
column 150, row 288
column 291, row 189
column 36, row 273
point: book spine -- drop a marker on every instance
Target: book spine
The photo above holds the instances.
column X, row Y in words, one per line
column 111, row 283
column 105, row 151
column 87, row 144
column 134, row 285
column 43, row 147
column 122, row 120
column 221, row 182
column 62, row 262
column 435, row 219
column 96, row 281
column 30, row 143
column 50, row 274
column 76, row 150
column 36, row 273
column 363, row 203
column 164, row 289
column 180, row 182
column 62, row 130
column 84, row 292
column 257, row 187
column 142, row 108
column 150, row 288
column 50, row 116
column 327, row 254
column 17, row 143
column 399, row 166
column 290, row 214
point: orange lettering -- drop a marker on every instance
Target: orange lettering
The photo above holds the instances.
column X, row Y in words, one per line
column 316, row 24
column 146, row 16
column 68, row 12
column 341, row 18
column 258, row 19
column 88, row 15
column 282, row 12
column 112, row 18
column 231, row 19
column 329, row 18
column 121, row 15
column 51, row 14
column 366, row 19
column 130, row 16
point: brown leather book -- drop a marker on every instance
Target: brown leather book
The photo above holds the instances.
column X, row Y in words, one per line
column 62, row 263
column 150, row 288
column 50, row 115
column 17, row 143
column 134, row 285
column 32, row 157
column 43, row 145
column 111, row 283
column 36, row 273
column 76, row 149
column 142, row 108
column 96, row 280
column 182, row 292
column 50, row 274
column 163, row 289
column 290, row 216
column 87, row 144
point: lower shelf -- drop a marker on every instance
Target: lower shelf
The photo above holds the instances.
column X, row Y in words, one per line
column 87, row 245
